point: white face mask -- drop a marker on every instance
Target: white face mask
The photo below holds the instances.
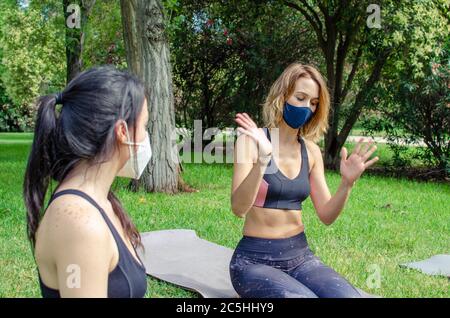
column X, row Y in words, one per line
column 142, row 155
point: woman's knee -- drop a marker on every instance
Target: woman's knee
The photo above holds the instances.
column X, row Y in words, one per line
column 339, row 287
column 262, row 281
column 323, row 280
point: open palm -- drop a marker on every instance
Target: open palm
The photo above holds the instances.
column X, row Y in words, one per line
column 249, row 128
column 352, row 167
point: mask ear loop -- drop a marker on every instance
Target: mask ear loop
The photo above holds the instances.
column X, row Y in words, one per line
column 122, row 116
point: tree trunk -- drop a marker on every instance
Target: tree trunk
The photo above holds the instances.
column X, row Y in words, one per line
column 75, row 37
column 148, row 57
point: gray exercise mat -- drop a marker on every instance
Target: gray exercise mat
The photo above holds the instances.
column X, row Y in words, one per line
column 435, row 265
column 182, row 258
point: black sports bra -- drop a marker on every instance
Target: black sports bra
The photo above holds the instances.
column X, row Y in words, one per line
column 127, row 280
column 276, row 191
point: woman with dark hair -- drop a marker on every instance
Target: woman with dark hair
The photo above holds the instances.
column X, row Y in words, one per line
column 85, row 243
column 276, row 168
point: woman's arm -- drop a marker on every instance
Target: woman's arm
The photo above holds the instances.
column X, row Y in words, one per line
column 247, row 175
column 329, row 207
column 251, row 155
column 82, row 251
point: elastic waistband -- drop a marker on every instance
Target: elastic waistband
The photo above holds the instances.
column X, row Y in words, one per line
column 275, row 249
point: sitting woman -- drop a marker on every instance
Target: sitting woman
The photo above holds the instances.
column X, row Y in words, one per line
column 85, row 243
column 273, row 258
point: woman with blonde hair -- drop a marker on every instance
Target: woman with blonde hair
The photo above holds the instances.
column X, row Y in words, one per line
column 273, row 258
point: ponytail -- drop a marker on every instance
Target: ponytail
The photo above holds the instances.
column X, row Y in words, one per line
column 39, row 167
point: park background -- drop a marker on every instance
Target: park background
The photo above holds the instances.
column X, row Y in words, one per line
column 387, row 67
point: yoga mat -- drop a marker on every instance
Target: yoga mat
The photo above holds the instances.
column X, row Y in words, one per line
column 435, row 265
column 182, row 258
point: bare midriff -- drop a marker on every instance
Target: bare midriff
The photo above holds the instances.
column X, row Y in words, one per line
column 272, row 223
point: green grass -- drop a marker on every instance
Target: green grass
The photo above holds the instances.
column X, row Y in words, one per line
column 16, row 138
column 385, row 222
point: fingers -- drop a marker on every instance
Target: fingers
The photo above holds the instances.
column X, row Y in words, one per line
column 362, row 148
column 344, row 153
column 365, row 147
column 242, row 121
column 369, row 153
column 358, row 146
column 245, row 118
column 250, row 120
column 370, row 162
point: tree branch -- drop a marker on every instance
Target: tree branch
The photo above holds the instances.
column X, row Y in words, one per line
column 351, row 76
column 315, row 22
column 343, row 46
column 311, row 10
column 342, row 5
column 362, row 95
column 322, row 8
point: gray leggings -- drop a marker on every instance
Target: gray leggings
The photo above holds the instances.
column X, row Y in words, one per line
column 284, row 268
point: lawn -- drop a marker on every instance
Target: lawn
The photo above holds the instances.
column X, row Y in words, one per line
column 385, row 222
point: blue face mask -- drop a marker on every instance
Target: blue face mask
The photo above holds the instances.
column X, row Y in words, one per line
column 296, row 116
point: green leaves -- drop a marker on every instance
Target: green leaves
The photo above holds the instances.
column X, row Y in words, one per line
column 33, row 55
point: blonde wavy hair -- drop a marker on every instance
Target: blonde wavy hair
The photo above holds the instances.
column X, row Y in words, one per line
column 284, row 87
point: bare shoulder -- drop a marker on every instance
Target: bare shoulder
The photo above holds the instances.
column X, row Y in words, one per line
column 72, row 220
column 312, row 146
column 314, row 152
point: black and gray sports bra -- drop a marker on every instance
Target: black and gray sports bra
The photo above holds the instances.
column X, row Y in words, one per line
column 276, row 191
column 128, row 279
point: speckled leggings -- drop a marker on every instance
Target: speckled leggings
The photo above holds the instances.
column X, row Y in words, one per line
column 284, row 268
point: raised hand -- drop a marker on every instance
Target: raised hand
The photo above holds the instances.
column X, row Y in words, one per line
column 249, row 128
column 353, row 166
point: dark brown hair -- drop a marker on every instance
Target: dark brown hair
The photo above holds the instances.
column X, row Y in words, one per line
column 83, row 129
